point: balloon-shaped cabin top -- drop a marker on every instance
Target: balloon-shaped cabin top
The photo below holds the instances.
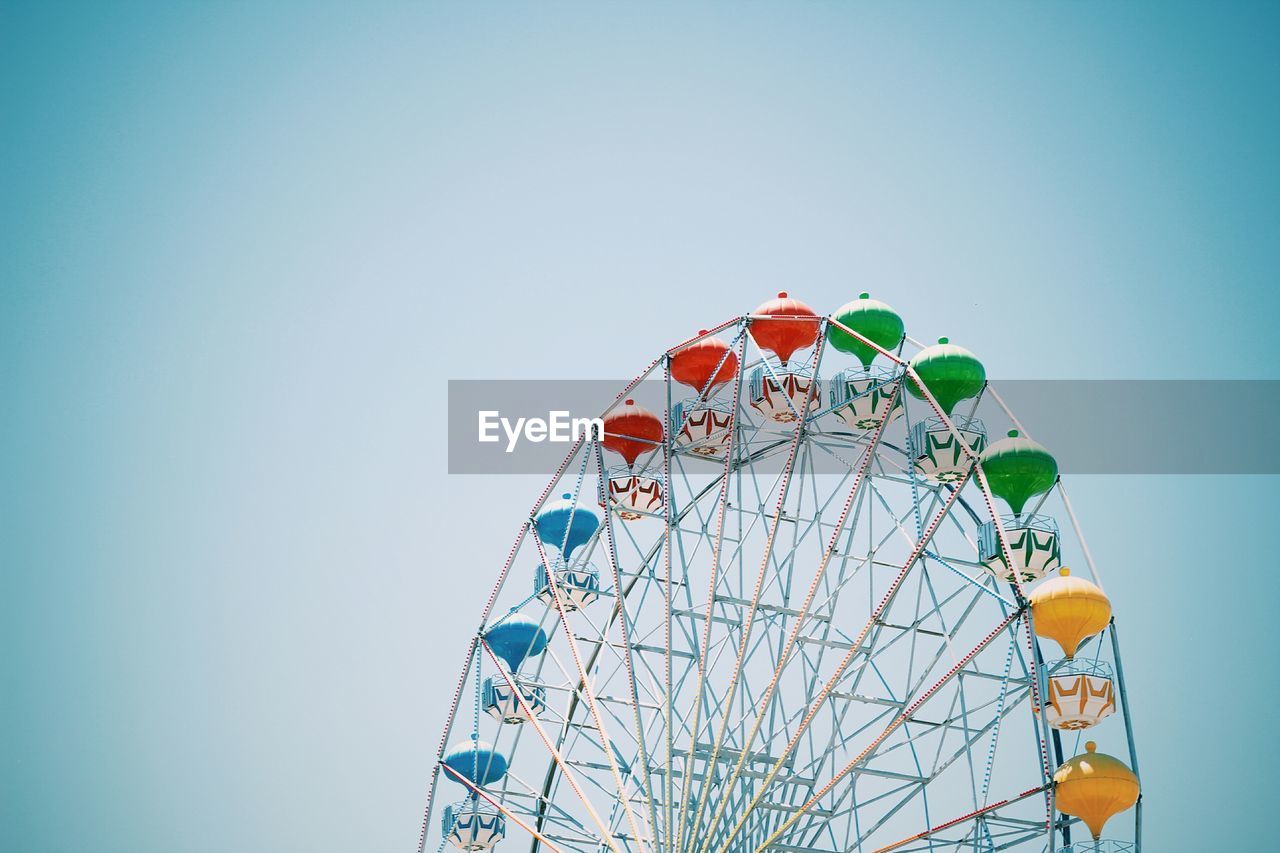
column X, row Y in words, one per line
column 563, row 525
column 872, row 319
column 515, row 638
column 784, row 325
column 631, row 430
column 476, row 761
column 1018, row 469
column 704, row 365
column 1094, row 787
column 1068, row 610
column 951, row 374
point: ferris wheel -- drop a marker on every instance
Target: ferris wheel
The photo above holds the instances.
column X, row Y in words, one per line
column 812, row 605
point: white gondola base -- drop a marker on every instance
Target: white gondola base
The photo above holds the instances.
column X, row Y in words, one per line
column 578, row 586
column 870, row 401
column 940, row 457
column 634, row 496
column 782, row 400
column 704, row 431
column 500, row 702
column 1079, row 700
column 1101, row 846
column 469, row 825
column 1035, row 550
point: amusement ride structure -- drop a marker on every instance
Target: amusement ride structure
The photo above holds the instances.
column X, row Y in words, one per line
column 807, row 602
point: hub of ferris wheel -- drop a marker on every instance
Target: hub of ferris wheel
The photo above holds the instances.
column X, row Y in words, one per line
column 719, row 655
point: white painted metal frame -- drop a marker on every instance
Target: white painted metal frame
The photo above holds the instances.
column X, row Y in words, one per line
column 722, row 724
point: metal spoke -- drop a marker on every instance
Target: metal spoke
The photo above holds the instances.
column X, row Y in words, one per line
column 794, row 650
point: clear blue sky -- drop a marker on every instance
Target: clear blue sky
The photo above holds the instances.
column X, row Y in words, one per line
column 246, row 244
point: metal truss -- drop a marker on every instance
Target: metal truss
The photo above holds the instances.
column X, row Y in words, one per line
column 801, row 651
